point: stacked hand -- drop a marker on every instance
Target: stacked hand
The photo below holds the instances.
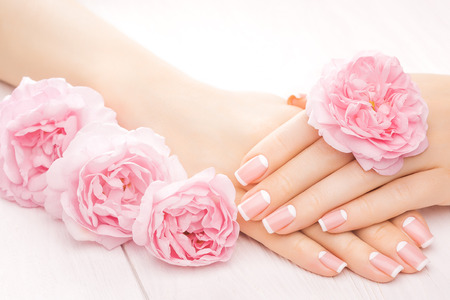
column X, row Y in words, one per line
column 294, row 166
column 244, row 120
column 209, row 127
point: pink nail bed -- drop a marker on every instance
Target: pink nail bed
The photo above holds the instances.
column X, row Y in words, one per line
column 251, row 170
column 418, row 232
column 332, row 262
column 279, row 219
column 412, row 255
column 254, row 205
column 385, row 264
column 333, row 220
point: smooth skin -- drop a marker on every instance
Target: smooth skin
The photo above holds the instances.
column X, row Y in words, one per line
column 43, row 39
column 331, row 180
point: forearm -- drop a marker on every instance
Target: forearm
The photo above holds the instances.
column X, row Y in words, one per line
column 45, row 38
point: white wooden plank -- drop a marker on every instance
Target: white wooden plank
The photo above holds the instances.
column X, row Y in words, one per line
column 39, row 260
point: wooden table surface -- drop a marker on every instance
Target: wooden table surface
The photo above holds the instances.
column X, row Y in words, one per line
column 272, row 46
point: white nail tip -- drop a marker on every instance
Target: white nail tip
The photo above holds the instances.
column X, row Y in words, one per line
column 265, row 195
column 341, row 267
column 292, row 210
column 263, row 160
column 344, row 214
column 396, row 271
column 322, row 225
column 373, row 255
column 401, row 245
column 239, row 179
column 267, row 226
column 427, row 243
column 408, row 221
column 322, row 253
column 422, row 265
column 243, row 214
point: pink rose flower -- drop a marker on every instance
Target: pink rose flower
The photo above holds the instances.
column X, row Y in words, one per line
column 190, row 222
column 97, row 186
column 37, row 122
column 370, row 107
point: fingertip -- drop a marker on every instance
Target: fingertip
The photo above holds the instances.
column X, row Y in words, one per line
column 427, row 243
column 414, row 226
column 239, row 179
column 322, row 225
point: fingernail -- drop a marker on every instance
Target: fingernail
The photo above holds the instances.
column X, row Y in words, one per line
column 385, row 264
column 332, row 262
column 279, row 219
column 254, row 205
column 296, row 101
column 251, row 170
column 333, row 220
column 418, row 232
column 412, row 255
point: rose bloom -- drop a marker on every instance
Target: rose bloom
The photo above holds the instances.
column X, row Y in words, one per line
column 191, row 222
column 37, row 122
column 370, row 107
column 97, row 186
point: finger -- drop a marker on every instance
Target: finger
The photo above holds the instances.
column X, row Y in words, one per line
column 413, row 224
column 301, row 172
column 356, row 253
column 299, row 101
column 347, row 183
column 391, row 241
column 415, row 191
column 296, row 247
column 276, row 149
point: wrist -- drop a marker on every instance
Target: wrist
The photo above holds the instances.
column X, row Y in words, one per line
column 141, row 87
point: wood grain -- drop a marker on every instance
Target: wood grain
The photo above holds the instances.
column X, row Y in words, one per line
column 272, row 46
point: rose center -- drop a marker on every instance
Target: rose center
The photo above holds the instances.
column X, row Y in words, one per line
column 44, row 141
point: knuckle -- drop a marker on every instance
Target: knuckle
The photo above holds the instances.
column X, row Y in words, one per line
column 281, row 143
column 380, row 231
column 366, row 207
column 315, row 200
column 357, row 174
column 300, row 246
column 352, row 246
column 323, row 149
column 401, row 191
column 284, row 184
column 444, row 175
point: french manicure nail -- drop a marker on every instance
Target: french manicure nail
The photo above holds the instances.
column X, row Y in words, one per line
column 418, row 232
column 412, row 255
column 332, row 262
column 254, row 205
column 385, row 264
column 279, row 219
column 333, row 220
column 251, row 170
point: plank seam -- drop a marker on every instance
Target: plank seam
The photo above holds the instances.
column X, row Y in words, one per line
column 141, row 286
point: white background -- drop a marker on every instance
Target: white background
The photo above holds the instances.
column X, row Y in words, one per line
column 272, row 46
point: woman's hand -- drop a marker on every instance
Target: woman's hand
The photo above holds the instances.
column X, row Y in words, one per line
column 329, row 186
column 203, row 126
column 202, row 137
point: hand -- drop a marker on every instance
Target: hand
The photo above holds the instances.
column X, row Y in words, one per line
column 305, row 172
column 204, row 126
column 201, row 139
